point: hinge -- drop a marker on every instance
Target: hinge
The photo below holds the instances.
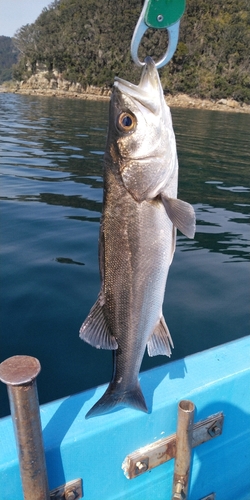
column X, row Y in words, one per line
column 159, row 452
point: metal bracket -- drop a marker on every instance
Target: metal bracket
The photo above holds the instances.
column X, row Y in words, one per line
column 69, row 491
column 154, row 454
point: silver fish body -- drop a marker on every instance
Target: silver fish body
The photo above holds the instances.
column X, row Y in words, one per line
column 137, row 235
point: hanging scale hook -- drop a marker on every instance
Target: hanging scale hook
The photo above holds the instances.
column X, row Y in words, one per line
column 158, row 14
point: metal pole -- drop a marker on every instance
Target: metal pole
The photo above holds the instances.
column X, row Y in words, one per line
column 19, row 373
column 183, row 450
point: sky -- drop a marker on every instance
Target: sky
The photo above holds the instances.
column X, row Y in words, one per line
column 17, row 13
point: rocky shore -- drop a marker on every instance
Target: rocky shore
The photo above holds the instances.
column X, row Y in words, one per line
column 39, row 84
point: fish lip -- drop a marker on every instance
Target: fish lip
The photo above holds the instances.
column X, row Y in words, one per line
column 134, row 92
column 148, row 92
column 149, row 71
column 128, row 88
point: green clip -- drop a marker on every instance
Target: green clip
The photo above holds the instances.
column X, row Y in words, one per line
column 164, row 13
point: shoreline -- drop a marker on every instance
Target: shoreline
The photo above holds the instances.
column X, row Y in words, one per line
column 99, row 94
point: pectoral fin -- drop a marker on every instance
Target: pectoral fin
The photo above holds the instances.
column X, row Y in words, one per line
column 181, row 215
column 160, row 340
column 95, row 330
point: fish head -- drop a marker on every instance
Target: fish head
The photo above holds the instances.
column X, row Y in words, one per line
column 141, row 140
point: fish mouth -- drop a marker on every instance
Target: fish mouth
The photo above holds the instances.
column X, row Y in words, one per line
column 148, row 92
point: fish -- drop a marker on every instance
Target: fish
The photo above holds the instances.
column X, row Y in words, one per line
column 137, row 238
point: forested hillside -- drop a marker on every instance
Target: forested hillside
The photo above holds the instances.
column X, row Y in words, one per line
column 88, row 41
column 8, row 57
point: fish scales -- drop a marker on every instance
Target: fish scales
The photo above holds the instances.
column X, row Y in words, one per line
column 137, row 236
column 135, row 269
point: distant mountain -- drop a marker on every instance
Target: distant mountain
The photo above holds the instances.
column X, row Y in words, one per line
column 8, row 57
column 88, row 41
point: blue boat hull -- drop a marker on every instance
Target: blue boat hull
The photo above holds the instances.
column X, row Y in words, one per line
column 215, row 380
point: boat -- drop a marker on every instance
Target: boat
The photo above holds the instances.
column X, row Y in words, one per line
column 130, row 455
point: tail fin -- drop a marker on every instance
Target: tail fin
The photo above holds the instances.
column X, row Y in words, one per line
column 115, row 397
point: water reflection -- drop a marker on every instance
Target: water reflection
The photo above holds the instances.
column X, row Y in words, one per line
column 53, row 154
column 66, row 260
column 219, row 230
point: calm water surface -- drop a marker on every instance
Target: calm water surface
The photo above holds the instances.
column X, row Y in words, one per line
column 51, row 201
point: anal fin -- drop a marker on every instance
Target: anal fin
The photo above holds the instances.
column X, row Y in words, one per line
column 160, row 342
column 95, row 330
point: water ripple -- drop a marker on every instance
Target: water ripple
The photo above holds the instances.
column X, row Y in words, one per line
column 51, row 202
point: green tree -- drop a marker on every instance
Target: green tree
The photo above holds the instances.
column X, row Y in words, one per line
column 88, row 41
column 8, row 57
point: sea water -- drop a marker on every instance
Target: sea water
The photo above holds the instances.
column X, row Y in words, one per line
column 51, row 202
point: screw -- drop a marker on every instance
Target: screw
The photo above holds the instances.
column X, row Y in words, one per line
column 178, row 492
column 71, row 495
column 141, row 466
column 160, row 18
column 215, row 430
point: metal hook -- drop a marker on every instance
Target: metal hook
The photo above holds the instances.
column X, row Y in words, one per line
column 140, row 29
column 160, row 14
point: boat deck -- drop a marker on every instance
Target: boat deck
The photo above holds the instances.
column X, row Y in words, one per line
column 216, row 380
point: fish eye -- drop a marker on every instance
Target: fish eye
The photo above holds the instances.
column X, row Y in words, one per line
column 126, row 121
